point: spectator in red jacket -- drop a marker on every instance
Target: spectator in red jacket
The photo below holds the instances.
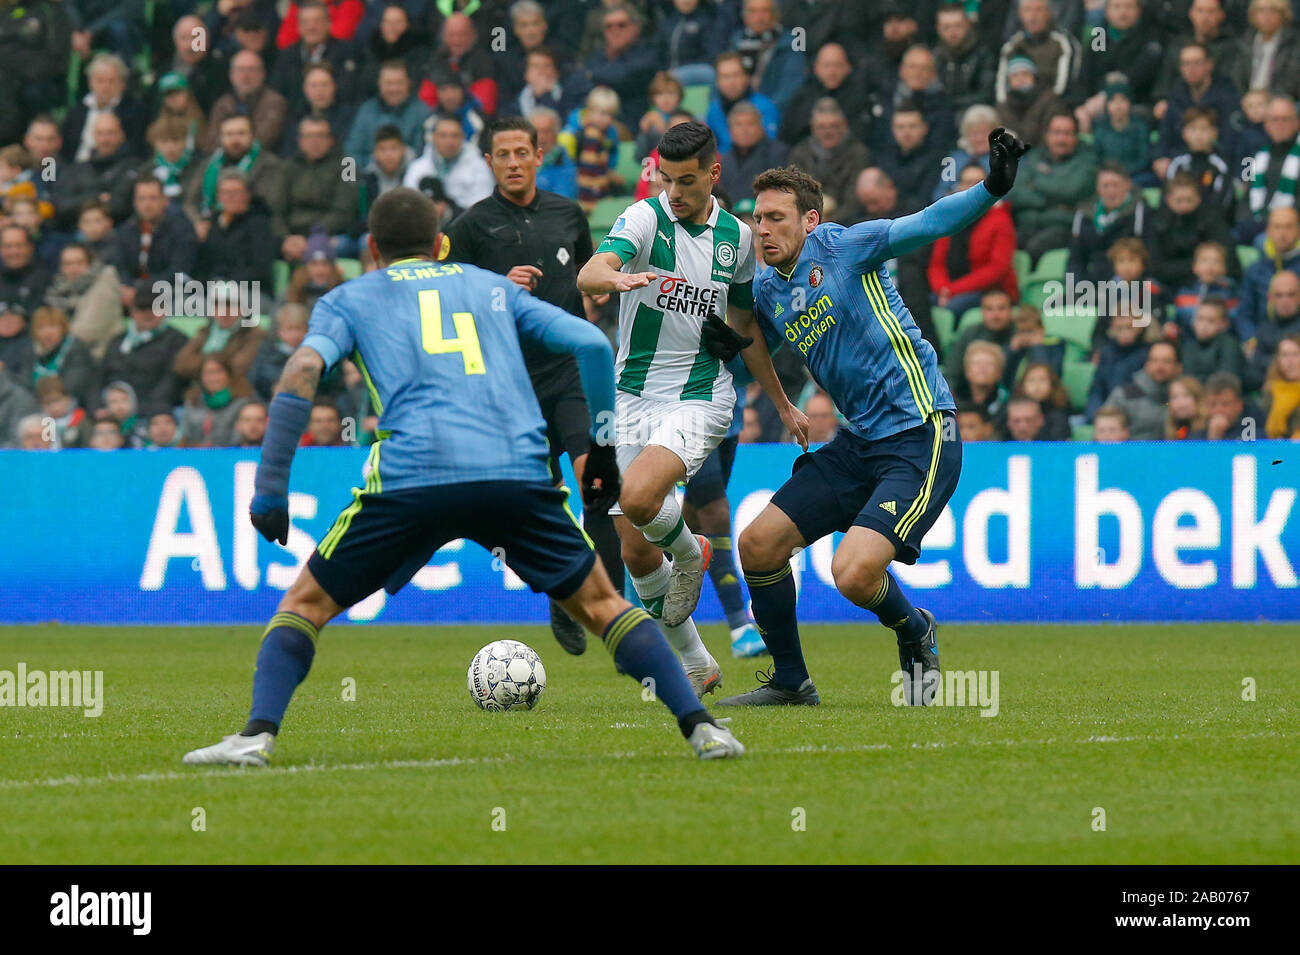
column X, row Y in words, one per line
column 964, row 266
column 461, row 56
column 345, row 16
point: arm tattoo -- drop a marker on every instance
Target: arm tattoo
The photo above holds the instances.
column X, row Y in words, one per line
column 302, row 373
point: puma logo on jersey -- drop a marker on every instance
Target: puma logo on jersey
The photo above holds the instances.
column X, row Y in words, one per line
column 891, row 507
column 667, row 240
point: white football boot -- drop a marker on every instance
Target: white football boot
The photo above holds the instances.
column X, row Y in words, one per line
column 684, row 585
column 715, row 742
column 234, row 750
column 705, row 679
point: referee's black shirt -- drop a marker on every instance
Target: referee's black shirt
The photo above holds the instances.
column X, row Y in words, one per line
column 551, row 233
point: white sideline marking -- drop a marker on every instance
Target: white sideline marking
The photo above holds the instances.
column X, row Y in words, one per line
column 174, row 776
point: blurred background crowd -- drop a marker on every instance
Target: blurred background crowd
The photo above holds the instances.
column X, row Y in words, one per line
column 1142, row 281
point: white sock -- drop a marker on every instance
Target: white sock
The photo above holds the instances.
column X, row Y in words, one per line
column 684, row 638
column 668, row 530
column 655, row 583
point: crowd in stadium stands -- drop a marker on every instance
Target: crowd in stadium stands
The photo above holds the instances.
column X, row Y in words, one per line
column 1142, row 281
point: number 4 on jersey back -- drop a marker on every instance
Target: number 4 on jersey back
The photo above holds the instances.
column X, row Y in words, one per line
column 436, row 343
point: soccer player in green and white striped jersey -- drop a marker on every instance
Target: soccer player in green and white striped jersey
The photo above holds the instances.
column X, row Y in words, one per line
column 677, row 259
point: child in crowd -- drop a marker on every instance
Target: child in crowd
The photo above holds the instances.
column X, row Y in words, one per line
column 1186, row 408
column 591, row 137
column 1122, row 137
column 1203, row 162
column 1211, row 346
column 1210, row 266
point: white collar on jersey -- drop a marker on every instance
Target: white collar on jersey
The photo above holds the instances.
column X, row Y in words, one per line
column 711, row 221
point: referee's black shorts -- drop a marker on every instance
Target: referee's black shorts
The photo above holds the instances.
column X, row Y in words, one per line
column 568, row 421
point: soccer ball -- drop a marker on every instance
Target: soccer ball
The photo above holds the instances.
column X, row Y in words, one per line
column 506, row 675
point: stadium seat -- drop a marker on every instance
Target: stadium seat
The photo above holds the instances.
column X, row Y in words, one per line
column 1247, row 255
column 1074, row 326
column 350, row 268
column 1035, row 294
column 945, row 326
column 1023, row 264
column 1081, row 432
column 605, row 212
column 1152, row 196
column 696, row 99
column 972, row 316
column 1051, row 266
column 629, row 167
column 1077, row 378
column 597, row 237
column 280, row 274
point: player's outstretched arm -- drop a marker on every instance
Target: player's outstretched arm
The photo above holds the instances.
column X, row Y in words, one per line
column 286, row 421
column 601, row 275
column 759, row 362
column 558, row 331
column 953, row 213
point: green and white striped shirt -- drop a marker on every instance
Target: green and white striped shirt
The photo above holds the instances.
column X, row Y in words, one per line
column 701, row 268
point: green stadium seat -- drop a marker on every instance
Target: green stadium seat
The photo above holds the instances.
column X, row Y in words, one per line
column 280, row 275
column 1023, row 264
column 945, row 326
column 696, row 99
column 1081, row 432
column 1247, row 255
column 1035, row 294
column 606, row 211
column 629, row 167
column 1077, row 378
column 1051, row 266
column 972, row 316
column 597, row 237
column 1152, row 196
column 1075, row 325
column 350, row 268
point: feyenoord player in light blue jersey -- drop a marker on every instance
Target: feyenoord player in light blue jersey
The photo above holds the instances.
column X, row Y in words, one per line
column 885, row 477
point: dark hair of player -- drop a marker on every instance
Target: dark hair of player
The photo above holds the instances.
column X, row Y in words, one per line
column 508, row 124
column 403, row 223
column 689, row 140
column 807, row 191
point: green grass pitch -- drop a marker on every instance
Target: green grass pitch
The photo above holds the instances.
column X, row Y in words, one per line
column 1146, row 723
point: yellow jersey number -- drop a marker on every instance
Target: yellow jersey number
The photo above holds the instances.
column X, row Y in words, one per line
column 436, row 343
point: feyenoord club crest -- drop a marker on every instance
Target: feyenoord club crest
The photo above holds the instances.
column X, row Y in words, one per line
column 815, row 276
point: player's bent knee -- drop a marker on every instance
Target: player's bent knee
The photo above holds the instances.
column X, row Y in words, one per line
column 306, row 598
column 640, row 503
column 857, row 579
column 761, row 552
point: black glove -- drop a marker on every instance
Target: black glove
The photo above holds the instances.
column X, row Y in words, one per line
column 270, row 515
column 1005, row 151
column 601, row 464
column 723, row 342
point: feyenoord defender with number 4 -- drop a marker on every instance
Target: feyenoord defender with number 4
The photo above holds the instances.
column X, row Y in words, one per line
column 680, row 263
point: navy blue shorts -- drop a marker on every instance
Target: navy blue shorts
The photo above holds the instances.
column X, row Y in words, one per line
column 382, row 539
column 897, row 485
column 710, row 481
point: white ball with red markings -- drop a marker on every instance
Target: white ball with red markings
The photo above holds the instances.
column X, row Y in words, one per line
column 506, row 675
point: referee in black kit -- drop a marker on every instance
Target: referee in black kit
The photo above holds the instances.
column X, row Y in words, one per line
column 539, row 240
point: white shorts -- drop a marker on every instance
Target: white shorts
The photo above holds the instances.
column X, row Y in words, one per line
column 689, row 429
